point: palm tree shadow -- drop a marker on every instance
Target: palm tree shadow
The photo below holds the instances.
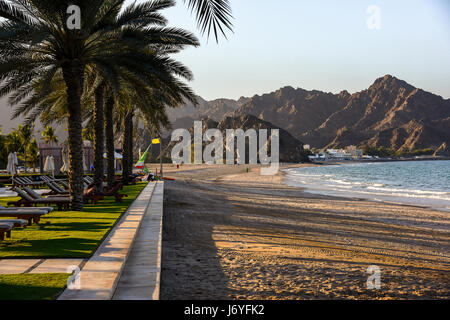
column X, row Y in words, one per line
column 191, row 266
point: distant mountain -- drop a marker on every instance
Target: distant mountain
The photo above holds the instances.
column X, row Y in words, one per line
column 291, row 149
column 215, row 109
column 390, row 113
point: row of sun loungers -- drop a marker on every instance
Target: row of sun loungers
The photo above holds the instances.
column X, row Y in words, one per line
column 60, row 197
column 29, row 198
column 28, row 210
column 26, row 181
column 48, row 179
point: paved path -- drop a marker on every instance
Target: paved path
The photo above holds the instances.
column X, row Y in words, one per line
column 100, row 275
column 141, row 276
column 17, row 266
column 127, row 265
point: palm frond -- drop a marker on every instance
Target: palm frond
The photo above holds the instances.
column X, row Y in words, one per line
column 212, row 15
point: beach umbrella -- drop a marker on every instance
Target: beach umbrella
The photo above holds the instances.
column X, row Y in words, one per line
column 49, row 165
column 11, row 166
column 116, row 156
column 85, row 168
column 16, row 161
column 65, row 167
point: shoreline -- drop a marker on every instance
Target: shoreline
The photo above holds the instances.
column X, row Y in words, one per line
column 229, row 234
column 439, row 158
column 368, row 196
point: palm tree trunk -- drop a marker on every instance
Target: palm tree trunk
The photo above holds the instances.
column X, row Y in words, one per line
column 109, row 133
column 130, row 149
column 99, row 137
column 73, row 76
column 127, row 144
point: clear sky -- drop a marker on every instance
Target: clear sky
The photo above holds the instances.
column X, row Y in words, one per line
column 324, row 45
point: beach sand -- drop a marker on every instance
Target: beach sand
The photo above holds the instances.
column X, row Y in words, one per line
column 229, row 234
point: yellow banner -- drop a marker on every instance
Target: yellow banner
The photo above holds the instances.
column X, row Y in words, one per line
column 155, row 141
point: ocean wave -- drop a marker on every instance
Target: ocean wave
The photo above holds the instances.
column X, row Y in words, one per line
column 412, row 183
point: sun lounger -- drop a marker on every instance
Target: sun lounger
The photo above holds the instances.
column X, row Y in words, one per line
column 55, row 189
column 88, row 195
column 29, row 201
column 114, row 192
column 29, row 214
column 92, row 195
column 65, row 184
column 48, row 179
column 25, row 181
column 28, row 180
column 6, row 225
column 17, row 223
column 59, row 188
column 132, row 179
column 88, row 180
column 5, row 229
column 18, row 181
column 47, row 209
column 31, row 182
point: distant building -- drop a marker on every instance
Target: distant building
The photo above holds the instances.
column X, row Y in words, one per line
column 354, row 152
column 336, row 153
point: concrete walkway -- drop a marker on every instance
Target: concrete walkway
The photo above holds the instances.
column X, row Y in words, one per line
column 18, row 266
column 100, row 275
column 141, row 276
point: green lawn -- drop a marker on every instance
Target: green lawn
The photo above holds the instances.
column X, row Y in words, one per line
column 36, row 286
column 68, row 234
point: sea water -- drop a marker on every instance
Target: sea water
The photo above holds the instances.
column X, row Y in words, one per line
column 424, row 183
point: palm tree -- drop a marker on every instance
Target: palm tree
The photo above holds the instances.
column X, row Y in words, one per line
column 13, row 142
column 25, row 134
column 99, row 135
column 36, row 44
column 49, row 135
column 149, row 101
column 3, row 150
column 109, row 141
column 150, row 105
column 19, row 140
column 212, row 15
column 32, row 151
column 88, row 134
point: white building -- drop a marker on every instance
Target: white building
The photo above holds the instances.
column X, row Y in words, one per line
column 354, row 152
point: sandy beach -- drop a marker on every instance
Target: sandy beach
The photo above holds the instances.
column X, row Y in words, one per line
column 232, row 234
